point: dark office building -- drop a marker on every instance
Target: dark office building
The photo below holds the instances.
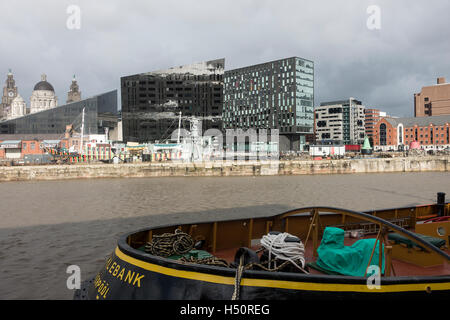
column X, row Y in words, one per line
column 151, row 102
column 100, row 112
column 272, row 95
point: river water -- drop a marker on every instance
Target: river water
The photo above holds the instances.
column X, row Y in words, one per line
column 46, row 226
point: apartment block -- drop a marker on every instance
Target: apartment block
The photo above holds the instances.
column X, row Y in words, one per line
column 340, row 122
column 272, row 95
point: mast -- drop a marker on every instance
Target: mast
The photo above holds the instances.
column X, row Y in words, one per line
column 179, row 128
column 82, row 129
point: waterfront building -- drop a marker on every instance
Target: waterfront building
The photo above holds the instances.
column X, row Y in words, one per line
column 152, row 102
column 42, row 148
column 100, row 115
column 433, row 100
column 43, row 96
column 18, row 108
column 74, row 93
column 340, row 122
column 399, row 133
column 10, row 92
column 272, row 95
column 371, row 117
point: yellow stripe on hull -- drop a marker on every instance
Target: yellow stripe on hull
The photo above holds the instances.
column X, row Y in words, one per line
column 281, row 284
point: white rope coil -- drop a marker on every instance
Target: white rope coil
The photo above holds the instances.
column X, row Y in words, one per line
column 293, row 252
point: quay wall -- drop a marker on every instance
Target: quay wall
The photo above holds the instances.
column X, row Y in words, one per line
column 236, row 168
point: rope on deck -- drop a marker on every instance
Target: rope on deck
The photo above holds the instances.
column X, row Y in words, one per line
column 168, row 244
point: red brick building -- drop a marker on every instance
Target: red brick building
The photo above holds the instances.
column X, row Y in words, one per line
column 433, row 100
column 371, row 117
column 31, row 147
column 18, row 149
column 431, row 132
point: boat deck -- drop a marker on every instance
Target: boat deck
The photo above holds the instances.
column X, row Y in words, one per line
column 223, row 238
column 401, row 268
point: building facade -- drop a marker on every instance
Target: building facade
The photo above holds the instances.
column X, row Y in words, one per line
column 17, row 109
column 433, row 100
column 398, row 133
column 43, row 96
column 340, row 122
column 100, row 112
column 371, row 117
column 10, row 92
column 152, row 102
column 74, row 93
column 272, row 95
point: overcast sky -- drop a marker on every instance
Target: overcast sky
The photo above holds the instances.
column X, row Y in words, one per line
column 381, row 67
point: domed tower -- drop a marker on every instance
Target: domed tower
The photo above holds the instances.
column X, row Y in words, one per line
column 74, row 93
column 43, row 96
column 18, row 108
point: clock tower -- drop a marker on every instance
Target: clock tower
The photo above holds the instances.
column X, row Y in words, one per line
column 74, row 93
column 9, row 93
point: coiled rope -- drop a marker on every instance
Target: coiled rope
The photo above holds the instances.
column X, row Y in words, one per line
column 294, row 252
column 275, row 244
column 168, row 244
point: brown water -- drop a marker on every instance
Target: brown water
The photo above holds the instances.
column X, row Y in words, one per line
column 46, row 226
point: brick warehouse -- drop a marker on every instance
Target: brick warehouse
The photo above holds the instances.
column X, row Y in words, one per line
column 431, row 132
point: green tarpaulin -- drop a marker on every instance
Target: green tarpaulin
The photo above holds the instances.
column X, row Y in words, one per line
column 353, row 260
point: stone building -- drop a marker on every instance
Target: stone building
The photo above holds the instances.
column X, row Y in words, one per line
column 10, row 92
column 74, row 93
column 43, row 96
column 17, row 109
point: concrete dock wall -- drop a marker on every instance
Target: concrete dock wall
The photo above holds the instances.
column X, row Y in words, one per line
column 238, row 168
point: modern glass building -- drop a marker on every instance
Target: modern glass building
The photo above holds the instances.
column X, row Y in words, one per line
column 100, row 112
column 152, row 101
column 272, row 95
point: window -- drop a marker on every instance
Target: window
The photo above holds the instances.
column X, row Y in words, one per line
column 32, row 145
column 382, row 134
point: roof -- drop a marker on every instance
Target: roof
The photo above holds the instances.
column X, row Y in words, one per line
column 18, row 98
column 419, row 121
column 31, row 136
column 43, row 85
column 338, row 102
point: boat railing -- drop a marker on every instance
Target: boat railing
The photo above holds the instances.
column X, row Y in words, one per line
column 384, row 227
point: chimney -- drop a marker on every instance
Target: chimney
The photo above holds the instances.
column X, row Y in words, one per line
column 440, row 80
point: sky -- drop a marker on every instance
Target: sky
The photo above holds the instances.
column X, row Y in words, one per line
column 379, row 56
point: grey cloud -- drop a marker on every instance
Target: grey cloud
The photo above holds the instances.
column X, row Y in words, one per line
column 383, row 68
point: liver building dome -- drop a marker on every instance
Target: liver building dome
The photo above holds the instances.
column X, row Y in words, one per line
column 43, row 96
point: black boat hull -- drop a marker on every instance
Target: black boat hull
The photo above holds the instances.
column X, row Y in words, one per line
column 129, row 274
